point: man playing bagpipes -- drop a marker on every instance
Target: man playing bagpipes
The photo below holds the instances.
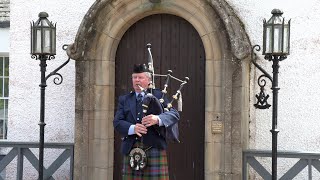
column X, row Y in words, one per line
column 143, row 129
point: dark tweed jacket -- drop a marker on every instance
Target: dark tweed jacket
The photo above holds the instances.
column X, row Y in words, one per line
column 126, row 116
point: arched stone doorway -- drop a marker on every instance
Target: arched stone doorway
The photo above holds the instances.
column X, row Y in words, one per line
column 176, row 45
column 227, row 82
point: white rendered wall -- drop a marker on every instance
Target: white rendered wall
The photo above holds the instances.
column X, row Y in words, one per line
column 24, row 105
column 299, row 77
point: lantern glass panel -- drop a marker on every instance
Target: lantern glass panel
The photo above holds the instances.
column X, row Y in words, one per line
column 44, row 22
column 277, row 39
column 37, row 45
column 53, row 39
column 275, row 20
column 46, row 40
column 286, row 39
column 268, row 39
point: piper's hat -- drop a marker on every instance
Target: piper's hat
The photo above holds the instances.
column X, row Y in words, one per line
column 140, row 68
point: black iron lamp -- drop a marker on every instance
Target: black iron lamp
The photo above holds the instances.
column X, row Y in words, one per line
column 276, row 47
column 43, row 36
column 43, row 48
column 276, row 35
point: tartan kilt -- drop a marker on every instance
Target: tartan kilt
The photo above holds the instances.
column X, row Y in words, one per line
column 156, row 169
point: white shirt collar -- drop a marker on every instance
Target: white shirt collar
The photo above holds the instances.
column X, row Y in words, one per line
column 142, row 93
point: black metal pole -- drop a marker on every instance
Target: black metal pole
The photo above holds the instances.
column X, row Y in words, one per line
column 274, row 129
column 43, row 65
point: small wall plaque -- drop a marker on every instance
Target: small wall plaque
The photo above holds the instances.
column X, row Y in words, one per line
column 216, row 127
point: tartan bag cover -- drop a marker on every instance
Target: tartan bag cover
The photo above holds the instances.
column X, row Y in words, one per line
column 157, row 167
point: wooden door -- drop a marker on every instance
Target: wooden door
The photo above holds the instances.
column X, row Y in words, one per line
column 176, row 45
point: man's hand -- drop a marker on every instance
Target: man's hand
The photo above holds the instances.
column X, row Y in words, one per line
column 140, row 129
column 150, row 120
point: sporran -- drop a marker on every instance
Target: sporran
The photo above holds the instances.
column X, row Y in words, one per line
column 138, row 158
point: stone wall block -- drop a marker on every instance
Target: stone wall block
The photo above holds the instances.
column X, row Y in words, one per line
column 237, row 159
column 98, row 173
column 245, row 99
column 209, row 96
column 208, row 43
column 102, row 128
column 218, row 39
column 245, row 75
column 111, row 154
column 209, row 158
column 80, row 173
column 91, row 124
column 219, row 99
column 104, row 51
column 104, row 73
column 215, row 99
column 237, row 100
column 98, row 125
column 104, row 97
column 98, row 153
column 106, row 48
column 110, row 130
column 129, row 9
column 215, row 73
column 100, row 114
column 115, row 26
column 245, row 129
column 218, row 138
column 209, row 116
column 202, row 23
column 236, row 80
column 236, row 132
column 227, row 131
column 92, row 49
column 217, row 158
column 240, row 100
column 82, row 86
column 103, row 16
column 227, row 158
column 81, row 141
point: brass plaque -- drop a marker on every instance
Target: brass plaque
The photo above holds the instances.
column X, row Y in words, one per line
column 217, row 127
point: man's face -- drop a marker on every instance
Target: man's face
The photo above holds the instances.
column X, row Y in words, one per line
column 140, row 79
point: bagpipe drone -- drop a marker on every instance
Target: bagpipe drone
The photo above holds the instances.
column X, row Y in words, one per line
column 153, row 105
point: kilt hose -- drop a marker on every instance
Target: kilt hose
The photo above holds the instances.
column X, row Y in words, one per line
column 156, row 169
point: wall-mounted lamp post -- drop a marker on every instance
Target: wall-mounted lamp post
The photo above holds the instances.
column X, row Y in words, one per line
column 276, row 46
column 43, row 48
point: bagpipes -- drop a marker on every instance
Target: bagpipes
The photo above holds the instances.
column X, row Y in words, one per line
column 153, row 105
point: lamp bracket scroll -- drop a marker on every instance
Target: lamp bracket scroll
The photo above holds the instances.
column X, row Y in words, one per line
column 262, row 98
column 58, row 80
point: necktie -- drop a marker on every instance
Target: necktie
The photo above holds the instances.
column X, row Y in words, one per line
column 139, row 107
column 139, row 98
